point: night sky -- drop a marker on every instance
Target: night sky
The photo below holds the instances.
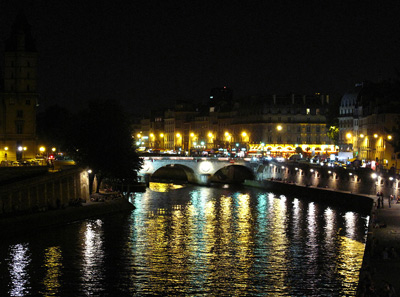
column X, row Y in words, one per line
column 147, row 54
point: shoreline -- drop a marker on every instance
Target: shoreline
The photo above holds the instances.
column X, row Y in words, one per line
column 24, row 223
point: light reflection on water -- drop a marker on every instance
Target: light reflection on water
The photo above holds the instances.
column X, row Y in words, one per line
column 197, row 241
column 18, row 262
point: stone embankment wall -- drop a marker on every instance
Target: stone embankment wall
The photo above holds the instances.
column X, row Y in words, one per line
column 355, row 181
column 43, row 192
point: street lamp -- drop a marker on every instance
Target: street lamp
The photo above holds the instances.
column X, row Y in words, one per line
column 374, row 176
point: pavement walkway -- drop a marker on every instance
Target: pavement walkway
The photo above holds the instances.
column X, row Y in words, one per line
column 381, row 266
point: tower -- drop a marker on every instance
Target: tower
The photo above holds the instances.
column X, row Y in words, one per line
column 19, row 95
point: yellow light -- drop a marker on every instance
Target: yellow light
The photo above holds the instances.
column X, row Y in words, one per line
column 53, row 149
column 375, row 135
column 389, row 137
column 348, row 135
column 244, row 134
column 151, row 135
column 25, row 148
column 279, row 127
column 210, row 135
column 178, row 135
column 361, row 135
column 42, row 149
column 6, row 148
column 161, row 134
column 139, row 135
column 191, row 134
column 226, row 134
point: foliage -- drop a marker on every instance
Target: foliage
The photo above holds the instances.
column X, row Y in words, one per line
column 395, row 141
column 100, row 139
column 52, row 126
column 333, row 134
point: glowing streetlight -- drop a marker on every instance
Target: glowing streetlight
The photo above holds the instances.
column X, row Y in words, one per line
column 279, row 128
column 375, row 135
column 139, row 135
column 348, row 135
column 362, row 135
column 178, row 135
column 244, row 134
column 42, row 149
column 389, row 137
column 162, row 135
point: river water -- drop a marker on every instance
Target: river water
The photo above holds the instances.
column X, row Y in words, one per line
column 193, row 241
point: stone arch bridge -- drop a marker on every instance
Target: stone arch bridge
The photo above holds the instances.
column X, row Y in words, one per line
column 200, row 170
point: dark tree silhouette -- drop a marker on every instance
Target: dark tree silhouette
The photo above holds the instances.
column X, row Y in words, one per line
column 52, row 126
column 100, row 138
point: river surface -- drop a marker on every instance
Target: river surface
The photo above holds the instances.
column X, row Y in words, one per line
column 193, row 241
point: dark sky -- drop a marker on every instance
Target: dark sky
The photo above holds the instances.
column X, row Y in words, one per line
column 150, row 53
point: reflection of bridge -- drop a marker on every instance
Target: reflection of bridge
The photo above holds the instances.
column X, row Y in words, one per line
column 200, row 170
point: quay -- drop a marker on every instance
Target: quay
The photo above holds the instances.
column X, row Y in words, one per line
column 381, row 264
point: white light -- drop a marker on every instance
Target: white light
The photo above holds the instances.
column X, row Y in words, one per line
column 373, row 175
column 205, row 167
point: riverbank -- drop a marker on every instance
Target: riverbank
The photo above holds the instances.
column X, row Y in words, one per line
column 24, row 223
column 359, row 202
column 381, row 264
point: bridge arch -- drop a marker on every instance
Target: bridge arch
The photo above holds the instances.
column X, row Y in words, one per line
column 233, row 174
column 176, row 172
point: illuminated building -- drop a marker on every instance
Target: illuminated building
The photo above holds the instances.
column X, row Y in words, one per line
column 368, row 122
column 18, row 94
column 272, row 124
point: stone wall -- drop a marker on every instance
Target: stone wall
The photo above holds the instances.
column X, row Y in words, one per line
column 356, row 181
column 43, row 192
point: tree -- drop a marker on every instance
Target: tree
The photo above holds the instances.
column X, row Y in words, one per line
column 100, row 138
column 333, row 133
column 51, row 126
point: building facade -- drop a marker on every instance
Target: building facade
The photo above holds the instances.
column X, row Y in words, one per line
column 18, row 96
column 369, row 123
column 259, row 125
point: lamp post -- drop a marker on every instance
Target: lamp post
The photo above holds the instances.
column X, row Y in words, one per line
column 210, row 140
column 178, row 140
column 6, row 152
column 374, row 176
